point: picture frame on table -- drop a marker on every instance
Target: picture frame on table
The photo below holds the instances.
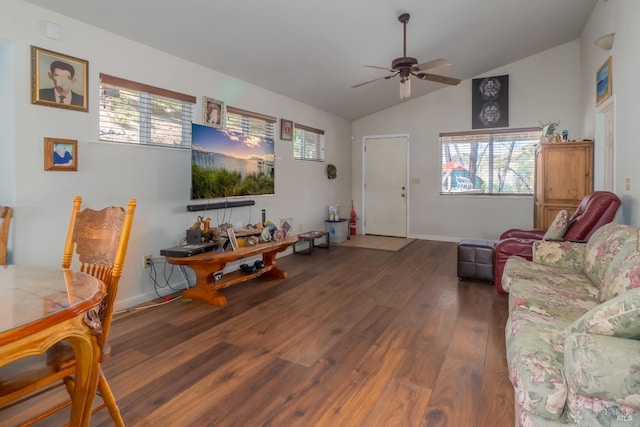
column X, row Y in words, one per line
column 59, row 80
column 286, row 130
column 232, row 239
column 213, row 112
column 60, row 154
column 603, row 82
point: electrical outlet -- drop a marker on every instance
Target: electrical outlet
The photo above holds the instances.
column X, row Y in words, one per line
column 146, row 261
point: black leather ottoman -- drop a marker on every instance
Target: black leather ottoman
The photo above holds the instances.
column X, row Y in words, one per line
column 475, row 260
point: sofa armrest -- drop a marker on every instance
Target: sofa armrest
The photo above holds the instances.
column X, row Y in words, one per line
column 603, row 367
column 559, row 254
column 522, row 234
column 503, row 250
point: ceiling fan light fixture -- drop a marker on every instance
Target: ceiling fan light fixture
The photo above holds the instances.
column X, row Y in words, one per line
column 405, row 88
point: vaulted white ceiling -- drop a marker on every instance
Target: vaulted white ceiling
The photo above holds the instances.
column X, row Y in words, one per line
column 314, row 51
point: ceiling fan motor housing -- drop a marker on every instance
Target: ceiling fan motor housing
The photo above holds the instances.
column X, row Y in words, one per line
column 404, row 63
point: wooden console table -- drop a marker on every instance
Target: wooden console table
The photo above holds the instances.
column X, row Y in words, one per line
column 206, row 264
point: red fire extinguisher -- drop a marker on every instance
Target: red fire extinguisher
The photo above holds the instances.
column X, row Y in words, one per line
column 352, row 220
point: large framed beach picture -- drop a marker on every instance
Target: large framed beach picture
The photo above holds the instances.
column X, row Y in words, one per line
column 603, row 82
column 59, row 80
column 225, row 163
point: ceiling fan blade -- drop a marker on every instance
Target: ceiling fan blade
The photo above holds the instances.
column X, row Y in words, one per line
column 371, row 81
column 380, row 68
column 435, row 63
column 438, row 79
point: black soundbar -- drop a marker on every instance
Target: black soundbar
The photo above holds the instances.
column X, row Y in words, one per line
column 220, row 205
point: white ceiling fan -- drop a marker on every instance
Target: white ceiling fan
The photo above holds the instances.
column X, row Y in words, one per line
column 406, row 66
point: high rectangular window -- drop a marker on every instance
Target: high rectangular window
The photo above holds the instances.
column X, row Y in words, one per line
column 488, row 162
column 308, row 143
column 136, row 113
column 251, row 124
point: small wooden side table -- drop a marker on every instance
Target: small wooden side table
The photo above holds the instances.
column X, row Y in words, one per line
column 311, row 236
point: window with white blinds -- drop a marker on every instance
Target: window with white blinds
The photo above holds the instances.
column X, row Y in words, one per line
column 136, row 113
column 308, row 143
column 488, row 162
column 251, row 124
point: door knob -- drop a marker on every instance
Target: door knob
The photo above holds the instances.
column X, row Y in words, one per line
column 402, row 194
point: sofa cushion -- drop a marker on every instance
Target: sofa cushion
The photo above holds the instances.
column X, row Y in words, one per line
column 618, row 317
column 603, row 246
column 624, row 272
column 603, row 379
column 558, row 227
column 517, row 268
column 535, row 369
column 566, row 301
column 559, row 254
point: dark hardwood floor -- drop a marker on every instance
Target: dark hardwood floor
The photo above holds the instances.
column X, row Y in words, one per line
column 353, row 337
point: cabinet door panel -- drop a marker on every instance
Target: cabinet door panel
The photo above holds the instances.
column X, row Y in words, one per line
column 564, row 179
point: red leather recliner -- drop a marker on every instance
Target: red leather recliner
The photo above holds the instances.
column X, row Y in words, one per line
column 595, row 210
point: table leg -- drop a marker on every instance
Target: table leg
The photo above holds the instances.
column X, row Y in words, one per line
column 87, row 353
column 269, row 258
column 202, row 291
column 205, row 294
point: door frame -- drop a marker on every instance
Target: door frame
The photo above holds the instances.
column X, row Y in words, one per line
column 407, row 138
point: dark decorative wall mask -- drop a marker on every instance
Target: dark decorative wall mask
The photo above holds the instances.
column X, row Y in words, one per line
column 490, row 102
column 332, row 172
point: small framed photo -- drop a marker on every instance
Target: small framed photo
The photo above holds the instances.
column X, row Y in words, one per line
column 59, row 80
column 603, row 82
column 232, row 239
column 60, row 154
column 213, row 112
column 286, row 130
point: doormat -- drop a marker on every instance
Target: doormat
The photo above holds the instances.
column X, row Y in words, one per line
column 383, row 243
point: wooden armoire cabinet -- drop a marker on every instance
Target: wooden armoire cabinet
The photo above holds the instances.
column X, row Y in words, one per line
column 563, row 176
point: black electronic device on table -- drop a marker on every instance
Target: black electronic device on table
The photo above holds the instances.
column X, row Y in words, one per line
column 188, row 250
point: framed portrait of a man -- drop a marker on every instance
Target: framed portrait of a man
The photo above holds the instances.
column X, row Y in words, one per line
column 60, row 154
column 59, row 80
column 213, row 112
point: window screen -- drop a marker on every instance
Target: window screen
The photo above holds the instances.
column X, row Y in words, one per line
column 136, row 113
column 251, row 124
column 308, row 143
column 496, row 162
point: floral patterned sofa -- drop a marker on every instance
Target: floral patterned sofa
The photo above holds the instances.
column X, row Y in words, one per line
column 573, row 333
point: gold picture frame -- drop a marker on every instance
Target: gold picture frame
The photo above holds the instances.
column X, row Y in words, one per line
column 603, row 82
column 59, row 80
column 60, row 154
column 286, row 130
column 214, row 112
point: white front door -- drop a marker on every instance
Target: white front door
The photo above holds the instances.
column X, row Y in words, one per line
column 385, row 185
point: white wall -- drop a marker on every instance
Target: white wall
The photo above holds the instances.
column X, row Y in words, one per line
column 543, row 87
column 621, row 17
column 110, row 174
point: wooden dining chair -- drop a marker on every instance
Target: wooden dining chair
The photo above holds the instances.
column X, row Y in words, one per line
column 5, row 216
column 100, row 239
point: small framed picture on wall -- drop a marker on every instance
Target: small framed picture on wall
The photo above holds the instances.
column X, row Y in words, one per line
column 59, row 80
column 60, row 154
column 286, row 130
column 213, row 112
